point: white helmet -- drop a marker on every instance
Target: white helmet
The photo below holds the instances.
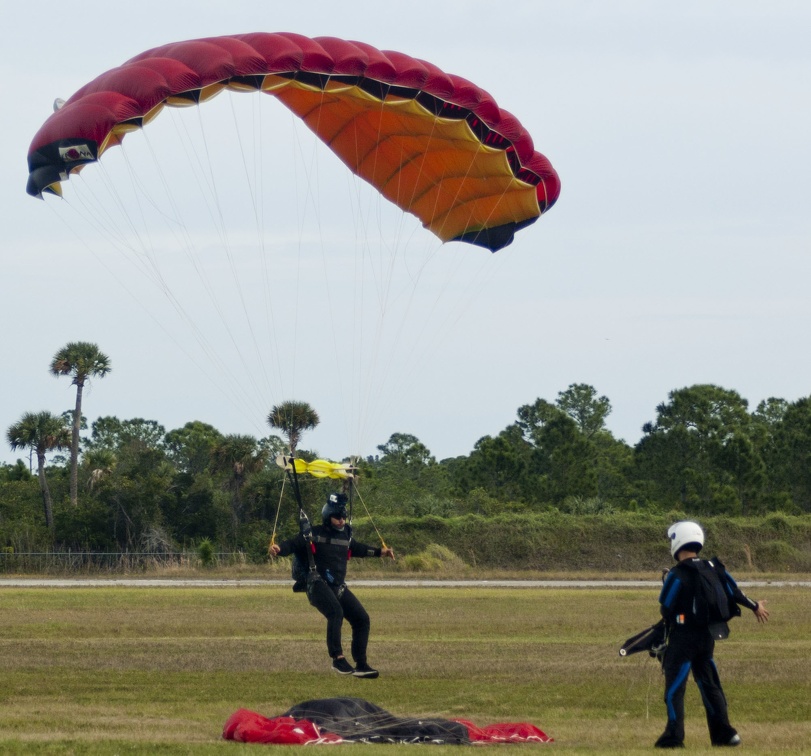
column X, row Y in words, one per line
column 685, row 533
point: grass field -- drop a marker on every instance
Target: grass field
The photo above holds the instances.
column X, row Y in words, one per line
column 159, row 670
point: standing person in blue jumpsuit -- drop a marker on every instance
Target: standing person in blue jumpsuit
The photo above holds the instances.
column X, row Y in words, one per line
column 332, row 545
column 697, row 598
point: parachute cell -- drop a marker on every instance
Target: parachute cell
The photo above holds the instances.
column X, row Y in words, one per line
column 432, row 143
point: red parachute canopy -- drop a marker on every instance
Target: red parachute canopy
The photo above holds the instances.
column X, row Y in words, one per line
column 434, row 144
column 347, row 720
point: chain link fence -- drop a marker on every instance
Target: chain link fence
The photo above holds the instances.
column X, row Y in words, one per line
column 72, row 562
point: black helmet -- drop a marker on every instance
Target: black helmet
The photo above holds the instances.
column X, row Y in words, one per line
column 335, row 507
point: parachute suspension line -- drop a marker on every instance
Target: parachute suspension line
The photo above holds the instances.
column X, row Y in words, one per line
column 351, row 492
column 258, row 205
column 370, row 373
column 304, row 168
column 368, row 514
column 229, row 255
column 347, row 334
column 255, row 194
column 178, row 226
column 82, row 240
column 141, row 254
column 370, row 398
column 435, row 329
column 180, row 229
column 417, row 349
column 276, row 518
column 370, row 382
column 107, row 227
column 345, row 364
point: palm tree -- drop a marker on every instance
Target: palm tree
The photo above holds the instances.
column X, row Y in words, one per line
column 292, row 419
column 42, row 432
column 81, row 360
column 237, row 457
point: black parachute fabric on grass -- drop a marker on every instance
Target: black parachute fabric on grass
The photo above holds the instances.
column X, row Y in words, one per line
column 356, row 719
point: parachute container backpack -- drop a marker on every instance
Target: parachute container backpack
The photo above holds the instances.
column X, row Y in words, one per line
column 278, row 254
column 712, row 604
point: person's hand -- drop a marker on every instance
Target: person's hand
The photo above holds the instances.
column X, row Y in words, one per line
column 761, row 612
column 275, row 549
column 387, row 552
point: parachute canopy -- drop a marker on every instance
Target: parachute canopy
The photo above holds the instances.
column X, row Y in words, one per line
column 341, row 720
column 432, row 143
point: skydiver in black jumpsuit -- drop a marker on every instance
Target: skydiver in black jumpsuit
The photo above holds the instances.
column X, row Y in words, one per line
column 690, row 643
column 333, row 545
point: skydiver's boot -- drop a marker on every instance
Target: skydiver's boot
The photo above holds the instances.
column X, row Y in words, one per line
column 735, row 740
column 362, row 669
column 342, row 666
column 668, row 741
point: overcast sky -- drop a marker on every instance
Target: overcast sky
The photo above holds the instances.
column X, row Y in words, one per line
column 677, row 254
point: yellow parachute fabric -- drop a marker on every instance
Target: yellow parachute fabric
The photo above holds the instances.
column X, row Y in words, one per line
column 318, row 468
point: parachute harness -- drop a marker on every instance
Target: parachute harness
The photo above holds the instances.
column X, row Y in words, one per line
column 318, row 468
column 304, row 524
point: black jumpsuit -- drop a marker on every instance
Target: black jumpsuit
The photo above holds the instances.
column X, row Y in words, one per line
column 690, row 647
column 330, row 596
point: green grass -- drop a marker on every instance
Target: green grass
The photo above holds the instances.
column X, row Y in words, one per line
column 159, row 670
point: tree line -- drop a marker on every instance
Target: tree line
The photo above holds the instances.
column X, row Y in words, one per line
column 133, row 485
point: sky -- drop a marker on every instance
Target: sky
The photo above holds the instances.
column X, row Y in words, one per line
column 677, row 254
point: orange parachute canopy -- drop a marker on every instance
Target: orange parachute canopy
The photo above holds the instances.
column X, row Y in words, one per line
column 432, row 143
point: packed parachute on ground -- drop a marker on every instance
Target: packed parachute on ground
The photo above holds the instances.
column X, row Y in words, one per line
column 354, row 720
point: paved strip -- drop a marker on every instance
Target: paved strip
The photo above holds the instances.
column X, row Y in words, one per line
column 404, row 583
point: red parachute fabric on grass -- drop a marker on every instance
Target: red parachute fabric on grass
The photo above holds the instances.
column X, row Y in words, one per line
column 246, row 726
column 505, row 732
column 349, row 720
column 433, row 143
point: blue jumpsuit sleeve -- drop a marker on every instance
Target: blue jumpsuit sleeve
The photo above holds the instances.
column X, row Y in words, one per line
column 669, row 594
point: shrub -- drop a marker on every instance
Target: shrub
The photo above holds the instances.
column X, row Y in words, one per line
column 206, row 552
column 777, row 555
column 434, row 558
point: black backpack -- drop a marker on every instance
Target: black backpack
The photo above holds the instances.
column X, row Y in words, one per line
column 711, row 603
